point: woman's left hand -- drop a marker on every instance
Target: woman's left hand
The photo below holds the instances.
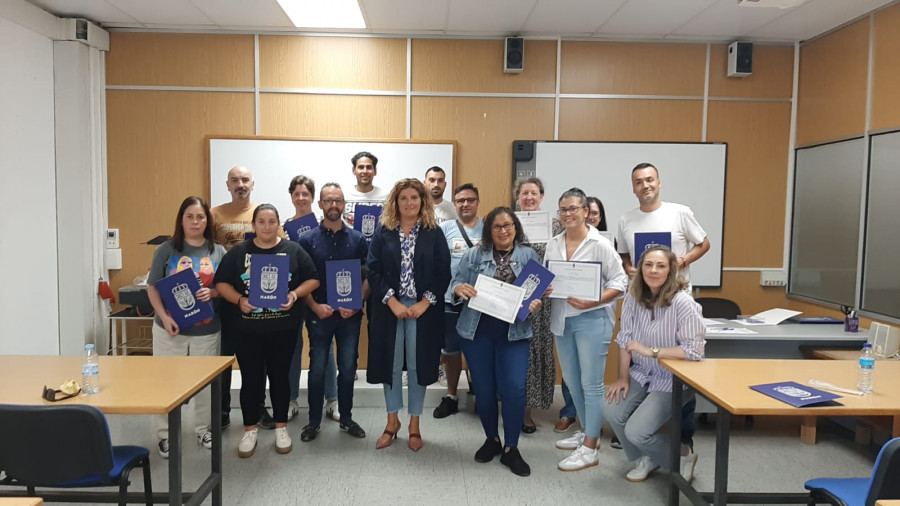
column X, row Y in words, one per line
column 418, row 309
column 535, row 305
column 204, row 294
column 639, row 348
column 617, row 391
column 292, row 298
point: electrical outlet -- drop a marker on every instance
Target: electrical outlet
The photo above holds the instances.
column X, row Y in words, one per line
column 773, row 277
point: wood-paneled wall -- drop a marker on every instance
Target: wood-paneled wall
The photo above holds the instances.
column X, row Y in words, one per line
column 355, row 87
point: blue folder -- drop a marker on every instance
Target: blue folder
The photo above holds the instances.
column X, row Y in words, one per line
column 300, row 226
column 645, row 240
column 535, row 279
column 269, row 276
column 343, row 282
column 178, row 296
column 795, row 394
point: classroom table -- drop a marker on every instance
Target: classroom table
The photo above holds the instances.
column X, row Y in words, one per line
column 21, row 501
column 129, row 385
column 779, row 341
column 726, row 383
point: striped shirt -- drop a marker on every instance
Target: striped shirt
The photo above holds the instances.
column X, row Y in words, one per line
column 680, row 324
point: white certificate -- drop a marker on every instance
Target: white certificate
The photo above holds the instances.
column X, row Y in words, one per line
column 582, row 280
column 537, row 225
column 496, row 298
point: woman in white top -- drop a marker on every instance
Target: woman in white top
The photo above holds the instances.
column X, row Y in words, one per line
column 583, row 328
column 659, row 320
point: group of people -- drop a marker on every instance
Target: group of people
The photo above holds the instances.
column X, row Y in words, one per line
column 420, row 267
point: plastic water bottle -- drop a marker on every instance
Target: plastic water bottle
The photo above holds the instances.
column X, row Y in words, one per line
column 864, row 378
column 90, row 371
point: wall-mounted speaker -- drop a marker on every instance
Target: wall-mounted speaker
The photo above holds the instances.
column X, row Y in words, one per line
column 514, row 60
column 740, row 59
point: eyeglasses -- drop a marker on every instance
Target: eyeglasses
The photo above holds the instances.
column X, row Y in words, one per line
column 329, row 202
column 49, row 394
column 509, row 227
column 570, row 210
column 466, row 201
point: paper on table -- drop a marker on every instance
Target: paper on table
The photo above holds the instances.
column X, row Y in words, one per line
column 729, row 330
column 770, row 317
column 496, row 298
column 709, row 322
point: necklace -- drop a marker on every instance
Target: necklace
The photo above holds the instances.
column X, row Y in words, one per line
column 503, row 258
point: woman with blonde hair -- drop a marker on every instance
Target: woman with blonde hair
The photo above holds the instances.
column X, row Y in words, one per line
column 408, row 269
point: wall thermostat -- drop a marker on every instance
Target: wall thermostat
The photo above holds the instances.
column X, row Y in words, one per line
column 112, row 238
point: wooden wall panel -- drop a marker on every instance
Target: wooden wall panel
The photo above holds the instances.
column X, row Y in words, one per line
column 295, row 115
column 773, row 73
column 886, row 75
column 170, row 59
column 633, row 68
column 630, row 120
column 485, row 129
column 832, row 93
column 477, row 66
column 365, row 63
column 757, row 134
column 157, row 157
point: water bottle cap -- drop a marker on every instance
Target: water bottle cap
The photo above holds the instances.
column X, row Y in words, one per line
column 89, row 346
column 867, row 345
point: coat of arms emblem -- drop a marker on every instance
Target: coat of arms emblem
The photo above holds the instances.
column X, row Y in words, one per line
column 269, row 279
column 530, row 285
column 368, row 224
column 183, row 296
column 343, row 282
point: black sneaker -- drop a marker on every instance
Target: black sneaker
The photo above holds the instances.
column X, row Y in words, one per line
column 513, row 460
column 615, row 443
column 265, row 420
column 447, row 407
column 353, row 429
column 309, row 433
column 226, row 420
column 488, row 450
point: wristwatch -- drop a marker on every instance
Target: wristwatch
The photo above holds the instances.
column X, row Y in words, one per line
column 655, row 352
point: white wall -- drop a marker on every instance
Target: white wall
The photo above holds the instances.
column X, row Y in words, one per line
column 28, row 245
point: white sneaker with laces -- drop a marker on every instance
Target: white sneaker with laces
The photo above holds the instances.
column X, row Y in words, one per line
column 688, row 463
column 293, row 410
column 332, row 411
column 642, row 468
column 572, row 442
column 442, row 376
column 247, row 446
column 582, row 458
column 205, row 439
column 282, row 440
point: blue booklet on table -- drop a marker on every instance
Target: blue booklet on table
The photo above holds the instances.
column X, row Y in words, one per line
column 795, row 394
column 178, row 296
column 645, row 240
column 300, row 226
column 269, row 276
column 343, row 282
column 535, row 279
column 365, row 219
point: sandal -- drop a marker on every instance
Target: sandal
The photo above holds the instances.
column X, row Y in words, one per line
column 415, row 436
column 392, row 435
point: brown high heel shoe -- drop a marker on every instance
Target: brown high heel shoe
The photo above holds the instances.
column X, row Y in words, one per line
column 391, row 436
column 415, row 441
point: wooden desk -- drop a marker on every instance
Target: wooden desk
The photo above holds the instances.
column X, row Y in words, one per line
column 887, row 502
column 726, row 383
column 21, row 501
column 131, row 385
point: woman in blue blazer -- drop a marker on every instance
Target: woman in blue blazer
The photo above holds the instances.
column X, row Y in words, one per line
column 409, row 271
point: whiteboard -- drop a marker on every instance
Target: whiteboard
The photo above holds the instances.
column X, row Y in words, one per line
column 692, row 174
column 274, row 162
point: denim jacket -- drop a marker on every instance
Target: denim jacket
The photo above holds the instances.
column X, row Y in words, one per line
column 477, row 261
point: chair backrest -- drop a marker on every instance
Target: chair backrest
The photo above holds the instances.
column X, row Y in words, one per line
column 714, row 307
column 885, row 474
column 47, row 445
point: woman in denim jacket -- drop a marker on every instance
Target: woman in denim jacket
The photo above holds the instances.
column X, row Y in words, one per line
column 496, row 351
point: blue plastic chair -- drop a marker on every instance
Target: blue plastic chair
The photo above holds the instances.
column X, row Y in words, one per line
column 883, row 484
column 66, row 446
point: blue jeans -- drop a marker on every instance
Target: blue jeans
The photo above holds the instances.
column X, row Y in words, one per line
column 405, row 342
column 297, row 366
column 498, row 365
column 345, row 333
column 582, row 354
column 568, row 410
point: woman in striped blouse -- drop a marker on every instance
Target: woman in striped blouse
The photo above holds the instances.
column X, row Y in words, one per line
column 659, row 320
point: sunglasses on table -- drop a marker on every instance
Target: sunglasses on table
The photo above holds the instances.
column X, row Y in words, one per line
column 52, row 395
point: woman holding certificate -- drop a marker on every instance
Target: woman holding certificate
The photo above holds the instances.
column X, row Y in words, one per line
column 659, row 320
column 194, row 238
column 266, row 336
column 497, row 352
column 589, row 278
column 408, row 269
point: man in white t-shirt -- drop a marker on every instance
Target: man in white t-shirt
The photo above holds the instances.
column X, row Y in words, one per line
column 688, row 239
column 436, row 182
column 365, row 167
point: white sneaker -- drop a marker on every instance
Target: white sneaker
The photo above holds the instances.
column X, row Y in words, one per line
column 282, row 440
column 642, row 468
column 247, row 446
column 332, row 411
column 293, row 410
column 405, row 378
column 572, row 442
column 581, row 458
column 205, row 439
column 442, row 376
column 688, row 463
